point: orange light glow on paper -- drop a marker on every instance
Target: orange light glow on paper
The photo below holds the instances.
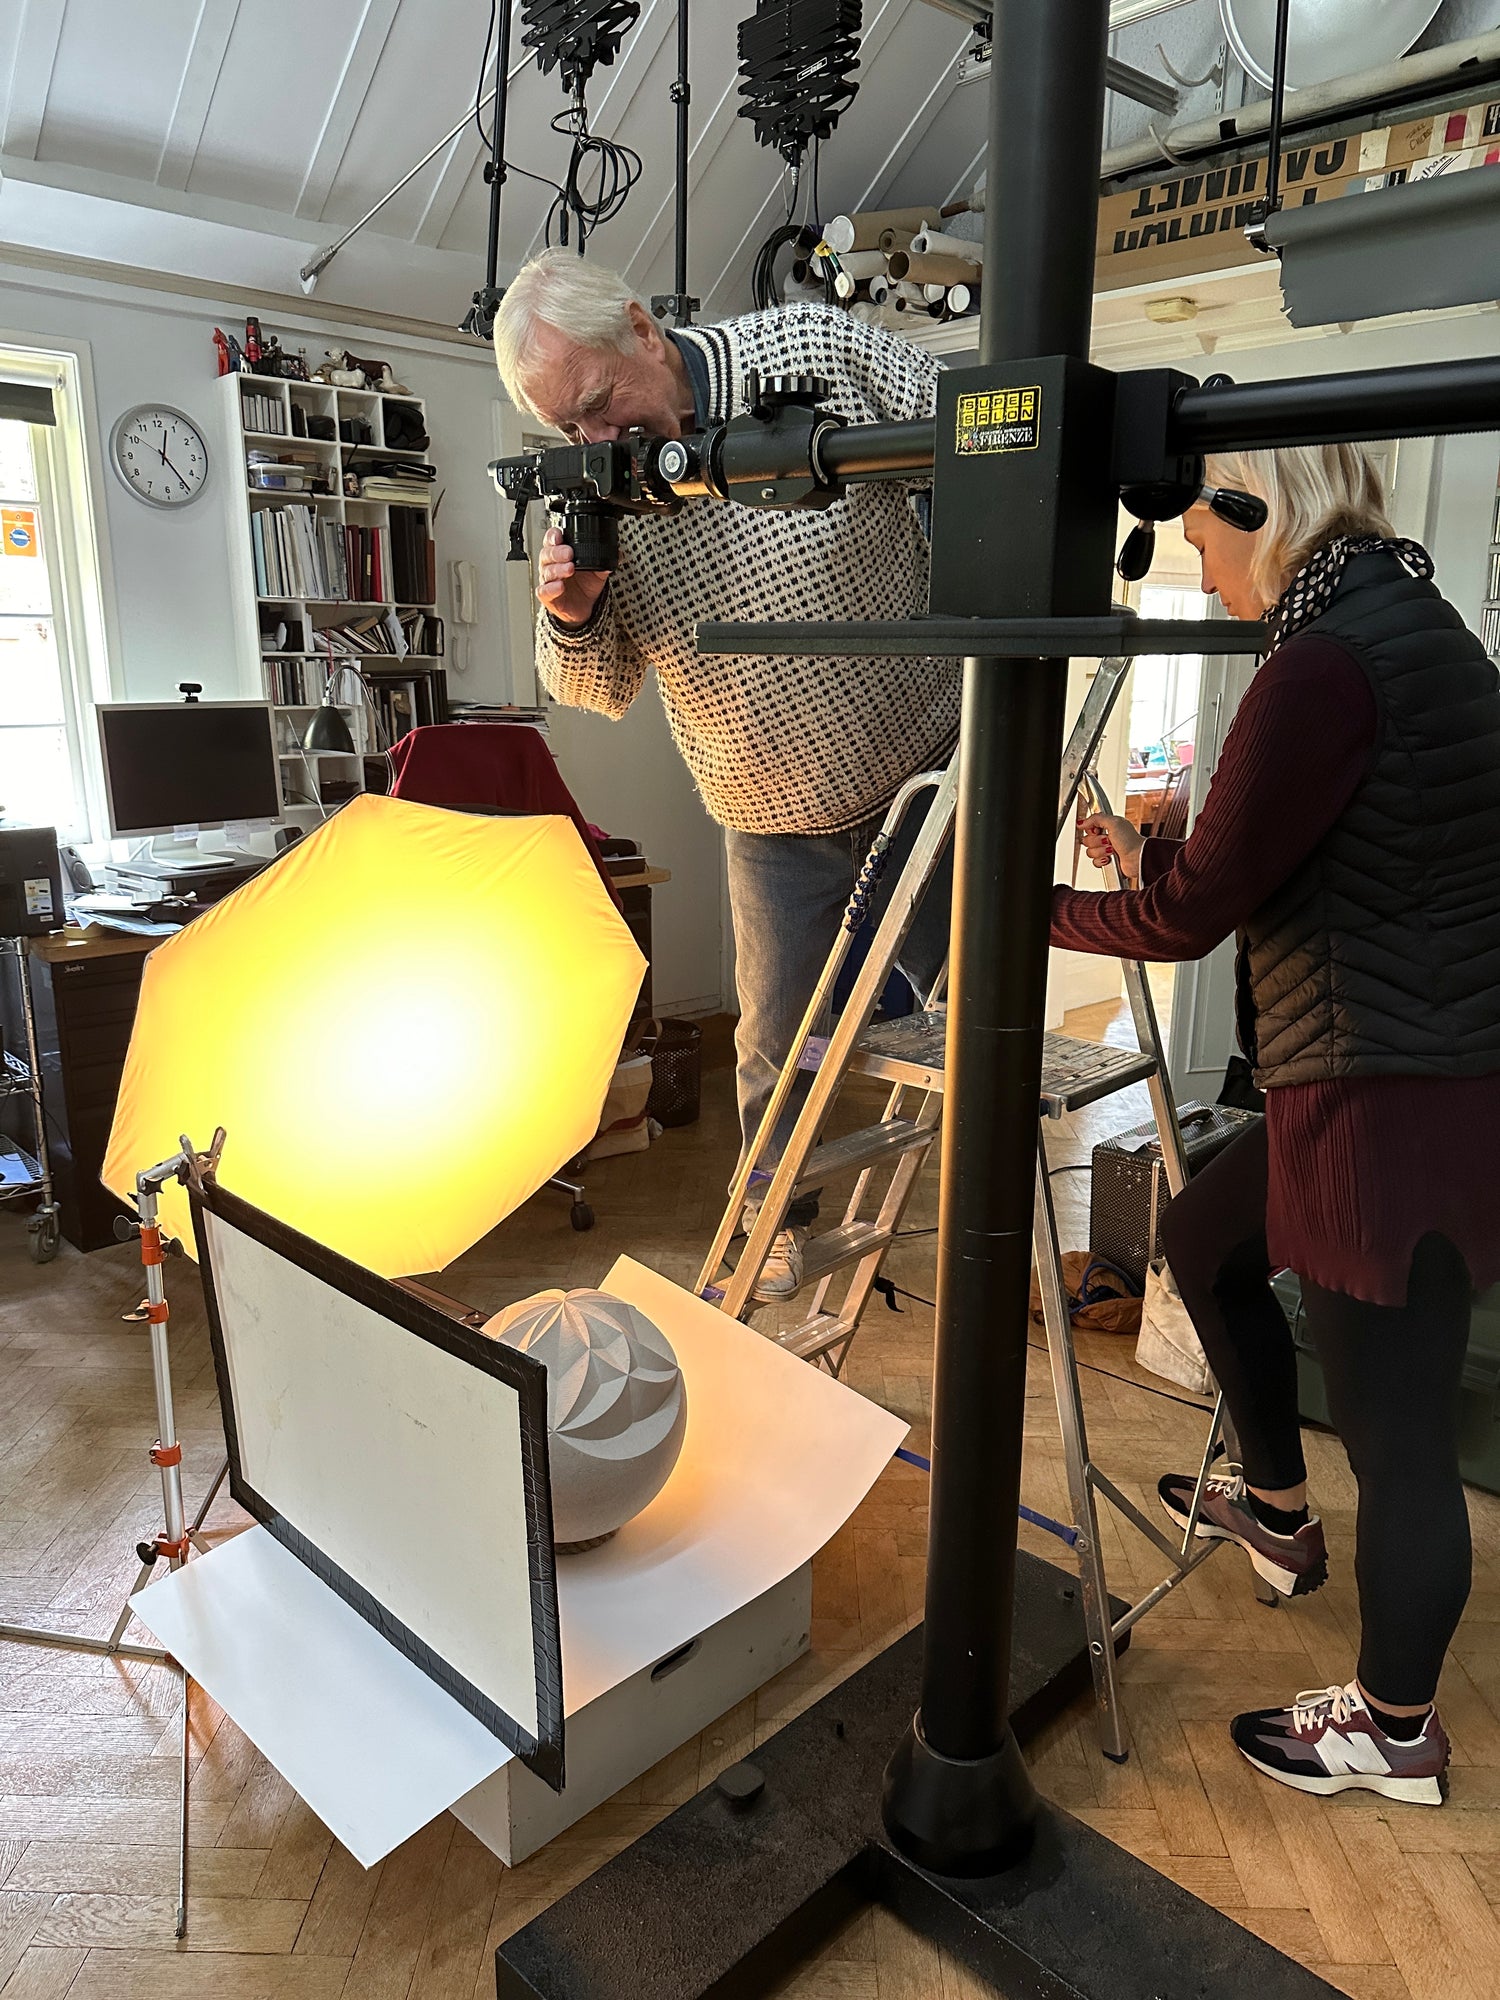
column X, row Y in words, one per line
column 405, row 1025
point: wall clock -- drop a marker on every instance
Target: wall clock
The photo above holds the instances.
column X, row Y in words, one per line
column 160, row 455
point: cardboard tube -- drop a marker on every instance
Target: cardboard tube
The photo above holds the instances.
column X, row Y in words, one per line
column 939, row 270
column 862, row 263
column 962, row 299
column 919, row 306
column 892, row 240
column 881, row 289
column 933, row 242
column 863, row 232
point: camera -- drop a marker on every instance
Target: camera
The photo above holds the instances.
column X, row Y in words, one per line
column 769, row 457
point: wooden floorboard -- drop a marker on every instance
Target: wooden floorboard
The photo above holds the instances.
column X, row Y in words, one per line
column 1388, row 1902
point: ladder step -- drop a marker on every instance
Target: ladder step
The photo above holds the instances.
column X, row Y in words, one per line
column 908, row 1050
column 1079, row 1073
column 1074, row 1073
column 865, row 1148
column 833, row 1248
column 815, row 1336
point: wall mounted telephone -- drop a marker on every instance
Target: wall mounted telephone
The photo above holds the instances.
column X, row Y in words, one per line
column 463, row 581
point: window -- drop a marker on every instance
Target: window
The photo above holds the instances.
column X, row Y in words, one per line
column 51, row 623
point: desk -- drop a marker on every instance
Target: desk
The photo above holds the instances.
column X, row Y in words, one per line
column 84, row 985
column 1144, row 796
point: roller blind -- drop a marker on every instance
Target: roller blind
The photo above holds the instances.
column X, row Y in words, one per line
column 27, row 402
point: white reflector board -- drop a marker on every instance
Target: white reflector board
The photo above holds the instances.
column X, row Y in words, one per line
column 400, row 1455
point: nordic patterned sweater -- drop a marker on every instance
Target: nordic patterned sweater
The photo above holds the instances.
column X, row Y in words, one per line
column 778, row 745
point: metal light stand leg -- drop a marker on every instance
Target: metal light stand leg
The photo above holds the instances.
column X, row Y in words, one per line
column 1094, row 1586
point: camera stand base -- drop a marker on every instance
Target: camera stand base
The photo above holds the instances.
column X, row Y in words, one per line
column 736, row 1888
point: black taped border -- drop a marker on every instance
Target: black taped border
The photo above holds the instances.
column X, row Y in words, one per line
column 543, row 1752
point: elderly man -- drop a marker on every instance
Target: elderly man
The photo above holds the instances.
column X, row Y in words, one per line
column 797, row 759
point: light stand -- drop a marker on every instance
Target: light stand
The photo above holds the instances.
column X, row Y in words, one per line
column 177, row 1538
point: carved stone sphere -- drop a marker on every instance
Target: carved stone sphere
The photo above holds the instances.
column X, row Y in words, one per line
column 616, row 1406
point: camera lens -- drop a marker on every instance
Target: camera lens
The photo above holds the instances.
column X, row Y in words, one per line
column 592, row 531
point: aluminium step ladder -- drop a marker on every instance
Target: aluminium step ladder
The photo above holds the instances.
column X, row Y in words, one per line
column 887, row 1157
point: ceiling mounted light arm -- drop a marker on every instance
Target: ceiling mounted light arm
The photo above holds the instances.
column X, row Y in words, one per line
column 314, row 268
column 679, row 304
column 1123, row 78
column 480, row 318
column 1255, row 228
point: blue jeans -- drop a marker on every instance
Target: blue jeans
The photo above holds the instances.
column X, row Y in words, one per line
column 787, row 897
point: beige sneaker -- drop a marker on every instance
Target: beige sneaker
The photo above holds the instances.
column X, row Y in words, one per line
column 781, row 1274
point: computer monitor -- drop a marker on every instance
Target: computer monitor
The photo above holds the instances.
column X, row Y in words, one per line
column 169, row 765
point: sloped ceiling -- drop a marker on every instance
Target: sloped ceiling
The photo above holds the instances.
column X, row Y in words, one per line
column 232, row 141
column 226, row 143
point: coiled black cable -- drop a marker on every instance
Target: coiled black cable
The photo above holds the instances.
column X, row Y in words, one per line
column 618, row 169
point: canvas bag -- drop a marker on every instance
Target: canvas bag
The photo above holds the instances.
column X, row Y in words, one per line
column 1168, row 1343
column 623, row 1125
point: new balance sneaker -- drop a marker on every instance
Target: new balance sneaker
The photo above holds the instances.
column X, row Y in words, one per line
column 781, row 1274
column 1294, row 1564
column 1328, row 1741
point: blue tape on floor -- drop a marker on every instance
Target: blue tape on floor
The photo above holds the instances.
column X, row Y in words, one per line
column 1063, row 1533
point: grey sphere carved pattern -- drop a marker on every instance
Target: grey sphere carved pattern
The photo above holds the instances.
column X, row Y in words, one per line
column 616, row 1406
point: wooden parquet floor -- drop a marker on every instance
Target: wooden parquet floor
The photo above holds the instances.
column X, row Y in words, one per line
column 1388, row 1902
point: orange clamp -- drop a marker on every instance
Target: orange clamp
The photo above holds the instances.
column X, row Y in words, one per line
column 151, row 1250
column 166, row 1454
column 157, row 1311
column 173, row 1551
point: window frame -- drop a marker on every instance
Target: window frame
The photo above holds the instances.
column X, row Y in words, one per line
column 69, row 468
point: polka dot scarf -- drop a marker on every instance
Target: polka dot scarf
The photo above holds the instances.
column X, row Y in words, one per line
column 1310, row 591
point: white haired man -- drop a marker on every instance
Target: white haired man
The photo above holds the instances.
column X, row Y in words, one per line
column 797, row 759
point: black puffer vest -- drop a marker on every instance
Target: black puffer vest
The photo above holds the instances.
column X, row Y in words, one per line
column 1380, row 956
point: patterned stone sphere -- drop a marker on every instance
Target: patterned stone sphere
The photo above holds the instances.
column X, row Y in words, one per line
column 616, row 1406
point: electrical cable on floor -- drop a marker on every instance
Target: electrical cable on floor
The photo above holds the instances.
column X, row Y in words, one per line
column 890, row 1291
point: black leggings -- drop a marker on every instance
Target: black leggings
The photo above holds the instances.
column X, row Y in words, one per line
column 1392, row 1375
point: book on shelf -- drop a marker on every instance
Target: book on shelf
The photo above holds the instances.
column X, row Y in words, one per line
column 298, row 553
column 290, row 684
column 1489, row 628
column 263, row 413
column 386, row 632
column 1494, row 585
column 413, row 556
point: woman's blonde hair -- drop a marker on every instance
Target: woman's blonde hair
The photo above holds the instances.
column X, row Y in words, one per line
column 586, row 301
column 1315, row 492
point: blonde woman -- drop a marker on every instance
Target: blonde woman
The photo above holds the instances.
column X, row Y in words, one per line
column 1351, row 838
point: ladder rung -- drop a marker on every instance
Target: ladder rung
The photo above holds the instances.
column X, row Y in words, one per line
column 871, row 1144
column 844, row 1245
column 1079, row 1073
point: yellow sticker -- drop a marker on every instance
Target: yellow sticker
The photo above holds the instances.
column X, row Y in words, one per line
column 998, row 420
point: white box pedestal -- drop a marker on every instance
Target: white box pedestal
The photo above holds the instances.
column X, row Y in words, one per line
column 630, row 1727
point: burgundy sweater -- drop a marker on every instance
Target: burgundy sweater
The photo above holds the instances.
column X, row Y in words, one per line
column 1361, row 1168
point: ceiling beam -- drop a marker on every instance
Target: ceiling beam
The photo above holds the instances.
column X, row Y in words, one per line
column 914, row 131
column 195, row 91
column 365, row 51
column 31, row 76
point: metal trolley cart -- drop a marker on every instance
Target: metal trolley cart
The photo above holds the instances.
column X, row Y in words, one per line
column 25, row 1175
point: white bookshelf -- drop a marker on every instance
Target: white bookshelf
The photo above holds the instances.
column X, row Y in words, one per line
column 260, row 419
column 1489, row 617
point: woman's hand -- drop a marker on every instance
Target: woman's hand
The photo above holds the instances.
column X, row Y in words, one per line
column 1106, row 838
column 569, row 594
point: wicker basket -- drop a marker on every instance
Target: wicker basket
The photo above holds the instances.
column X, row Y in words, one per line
column 676, row 1073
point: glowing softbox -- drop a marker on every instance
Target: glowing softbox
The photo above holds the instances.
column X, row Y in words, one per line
column 405, row 1025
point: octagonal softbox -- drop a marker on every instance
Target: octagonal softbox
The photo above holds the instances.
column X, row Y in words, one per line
column 405, row 1025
